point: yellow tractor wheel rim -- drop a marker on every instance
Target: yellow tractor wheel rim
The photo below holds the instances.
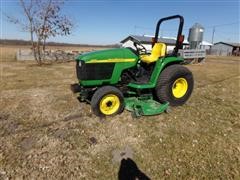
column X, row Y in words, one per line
column 109, row 104
column 179, row 87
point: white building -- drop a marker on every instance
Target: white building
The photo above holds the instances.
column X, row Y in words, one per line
column 205, row 45
column 146, row 41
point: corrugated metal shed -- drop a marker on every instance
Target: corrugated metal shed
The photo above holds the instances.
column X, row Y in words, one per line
column 225, row 48
column 229, row 43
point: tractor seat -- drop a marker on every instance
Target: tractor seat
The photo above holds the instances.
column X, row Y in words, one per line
column 158, row 50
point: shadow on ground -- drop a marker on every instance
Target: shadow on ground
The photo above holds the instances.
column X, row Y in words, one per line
column 129, row 171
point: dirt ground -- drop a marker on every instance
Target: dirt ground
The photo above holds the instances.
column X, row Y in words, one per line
column 46, row 133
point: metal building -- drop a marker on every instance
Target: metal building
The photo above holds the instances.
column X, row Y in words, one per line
column 225, row 49
column 147, row 42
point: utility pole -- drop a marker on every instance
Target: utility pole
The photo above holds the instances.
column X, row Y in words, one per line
column 213, row 34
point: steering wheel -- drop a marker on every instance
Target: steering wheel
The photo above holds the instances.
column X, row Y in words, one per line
column 140, row 48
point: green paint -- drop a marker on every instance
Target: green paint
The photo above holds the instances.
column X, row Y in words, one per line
column 144, row 105
column 121, row 54
column 117, row 53
column 124, row 59
column 117, row 71
column 160, row 64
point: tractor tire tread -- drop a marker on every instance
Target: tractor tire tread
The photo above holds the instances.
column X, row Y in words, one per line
column 165, row 79
column 102, row 91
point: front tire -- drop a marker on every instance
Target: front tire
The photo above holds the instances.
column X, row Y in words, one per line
column 175, row 85
column 107, row 101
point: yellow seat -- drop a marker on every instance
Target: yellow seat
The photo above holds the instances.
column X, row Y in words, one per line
column 158, row 50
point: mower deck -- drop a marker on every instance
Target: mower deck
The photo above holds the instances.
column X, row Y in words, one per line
column 144, row 106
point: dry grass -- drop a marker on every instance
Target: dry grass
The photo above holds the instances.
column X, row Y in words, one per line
column 45, row 132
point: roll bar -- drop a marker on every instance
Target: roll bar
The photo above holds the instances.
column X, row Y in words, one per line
column 179, row 40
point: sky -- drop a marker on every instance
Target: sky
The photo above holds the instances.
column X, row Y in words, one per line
column 110, row 21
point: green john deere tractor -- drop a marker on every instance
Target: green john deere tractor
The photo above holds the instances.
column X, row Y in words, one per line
column 146, row 84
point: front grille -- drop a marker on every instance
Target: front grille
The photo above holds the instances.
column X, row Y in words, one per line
column 94, row 71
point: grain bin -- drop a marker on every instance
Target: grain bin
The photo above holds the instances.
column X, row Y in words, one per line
column 195, row 36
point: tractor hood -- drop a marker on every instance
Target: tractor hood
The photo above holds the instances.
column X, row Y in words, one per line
column 109, row 56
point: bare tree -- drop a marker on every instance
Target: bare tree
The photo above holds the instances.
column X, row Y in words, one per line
column 29, row 12
column 44, row 21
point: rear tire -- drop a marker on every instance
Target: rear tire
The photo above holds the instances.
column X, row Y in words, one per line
column 107, row 101
column 175, row 85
